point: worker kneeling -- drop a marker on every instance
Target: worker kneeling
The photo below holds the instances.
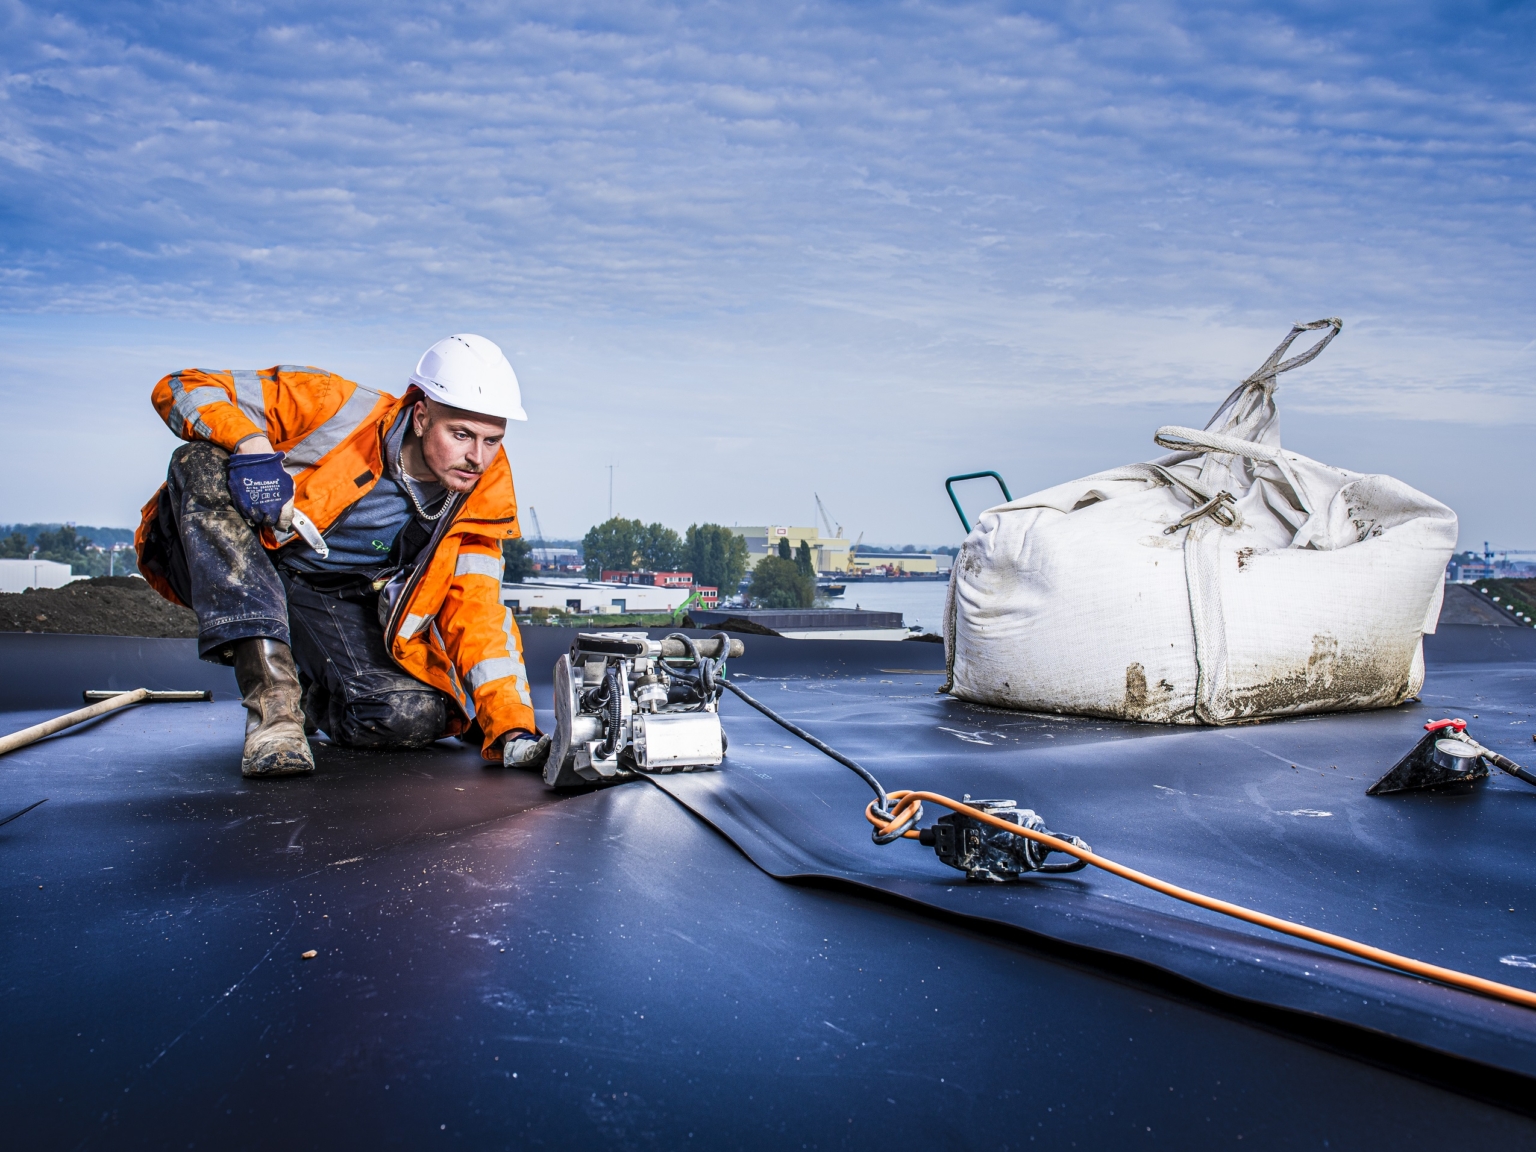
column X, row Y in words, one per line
column 342, row 550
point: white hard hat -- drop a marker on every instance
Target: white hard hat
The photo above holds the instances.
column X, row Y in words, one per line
column 469, row 372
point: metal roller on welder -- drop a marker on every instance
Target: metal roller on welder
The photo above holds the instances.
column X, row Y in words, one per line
column 1445, row 755
column 626, row 704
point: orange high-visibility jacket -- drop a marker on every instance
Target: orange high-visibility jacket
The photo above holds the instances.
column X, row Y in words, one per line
column 449, row 627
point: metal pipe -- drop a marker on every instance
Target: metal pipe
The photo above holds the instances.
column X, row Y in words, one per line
column 711, row 648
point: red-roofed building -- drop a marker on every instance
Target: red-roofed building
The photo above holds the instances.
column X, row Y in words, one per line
column 708, row 595
column 654, row 579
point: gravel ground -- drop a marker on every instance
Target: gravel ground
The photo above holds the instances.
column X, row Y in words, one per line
column 106, row 606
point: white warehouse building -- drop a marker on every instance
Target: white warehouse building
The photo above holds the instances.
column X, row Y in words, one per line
column 589, row 598
column 19, row 575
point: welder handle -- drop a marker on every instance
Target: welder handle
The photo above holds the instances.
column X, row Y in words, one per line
column 710, row 648
column 48, row 727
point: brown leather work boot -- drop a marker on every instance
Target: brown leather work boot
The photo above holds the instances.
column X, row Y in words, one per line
column 274, row 723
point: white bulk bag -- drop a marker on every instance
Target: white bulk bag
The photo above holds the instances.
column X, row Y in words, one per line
column 1231, row 580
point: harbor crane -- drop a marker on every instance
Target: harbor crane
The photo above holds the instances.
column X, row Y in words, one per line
column 853, row 552
column 538, row 534
column 827, row 520
column 1489, row 553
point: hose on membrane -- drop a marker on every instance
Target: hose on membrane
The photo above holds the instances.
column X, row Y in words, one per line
column 894, row 816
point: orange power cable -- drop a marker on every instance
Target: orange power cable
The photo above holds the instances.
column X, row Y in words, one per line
column 906, row 800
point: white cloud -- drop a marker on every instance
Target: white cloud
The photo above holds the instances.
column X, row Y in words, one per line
column 856, row 234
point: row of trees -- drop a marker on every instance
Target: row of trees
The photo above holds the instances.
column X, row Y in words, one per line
column 68, row 546
column 620, row 545
column 713, row 553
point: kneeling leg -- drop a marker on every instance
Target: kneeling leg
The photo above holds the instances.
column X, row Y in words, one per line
column 357, row 694
column 400, row 719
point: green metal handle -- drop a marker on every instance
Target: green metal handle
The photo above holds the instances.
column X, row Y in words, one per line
column 949, row 486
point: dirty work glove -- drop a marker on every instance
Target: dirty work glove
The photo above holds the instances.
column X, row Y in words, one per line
column 524, row 751
column 260, row 486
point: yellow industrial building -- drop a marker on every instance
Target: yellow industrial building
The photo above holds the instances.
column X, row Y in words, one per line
column 830, row 554
column 895, row 563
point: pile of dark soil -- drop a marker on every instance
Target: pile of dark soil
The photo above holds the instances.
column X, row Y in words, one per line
column 732, row 624
column 106, row 606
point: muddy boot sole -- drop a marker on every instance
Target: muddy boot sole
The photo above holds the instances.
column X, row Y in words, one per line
column 277, row 752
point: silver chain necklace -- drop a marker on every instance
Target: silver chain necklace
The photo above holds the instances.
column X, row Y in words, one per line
column 410, row 491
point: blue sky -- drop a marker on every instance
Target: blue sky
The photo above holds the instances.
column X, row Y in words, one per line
column 744, row 252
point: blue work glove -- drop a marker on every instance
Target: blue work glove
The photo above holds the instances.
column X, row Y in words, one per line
column 260, row 486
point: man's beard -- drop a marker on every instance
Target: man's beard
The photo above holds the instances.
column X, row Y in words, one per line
column 457, row 483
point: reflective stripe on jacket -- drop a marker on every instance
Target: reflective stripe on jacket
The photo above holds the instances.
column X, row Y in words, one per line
column 450, row 628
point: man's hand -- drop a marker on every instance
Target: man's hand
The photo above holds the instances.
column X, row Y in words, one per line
column 523, row 750
column 258, row 446
column 262, row 490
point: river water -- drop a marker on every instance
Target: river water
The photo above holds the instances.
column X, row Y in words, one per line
column 920, row 602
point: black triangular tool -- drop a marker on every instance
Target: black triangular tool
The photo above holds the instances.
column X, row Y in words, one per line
column 1429, row 767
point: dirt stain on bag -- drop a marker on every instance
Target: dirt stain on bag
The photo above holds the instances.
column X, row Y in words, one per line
column 1331, row 681
column 1149, row 703
column 1135, row 688
column 1320, row 665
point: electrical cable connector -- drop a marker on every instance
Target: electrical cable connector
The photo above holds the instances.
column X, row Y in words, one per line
column 983, row 852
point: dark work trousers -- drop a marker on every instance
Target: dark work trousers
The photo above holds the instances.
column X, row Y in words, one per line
column 353, row 689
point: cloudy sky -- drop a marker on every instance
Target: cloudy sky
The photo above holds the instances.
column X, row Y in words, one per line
column 744, row 252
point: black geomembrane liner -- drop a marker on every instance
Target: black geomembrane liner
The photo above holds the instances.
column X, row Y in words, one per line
column 502, row 966
column 1272, row 816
